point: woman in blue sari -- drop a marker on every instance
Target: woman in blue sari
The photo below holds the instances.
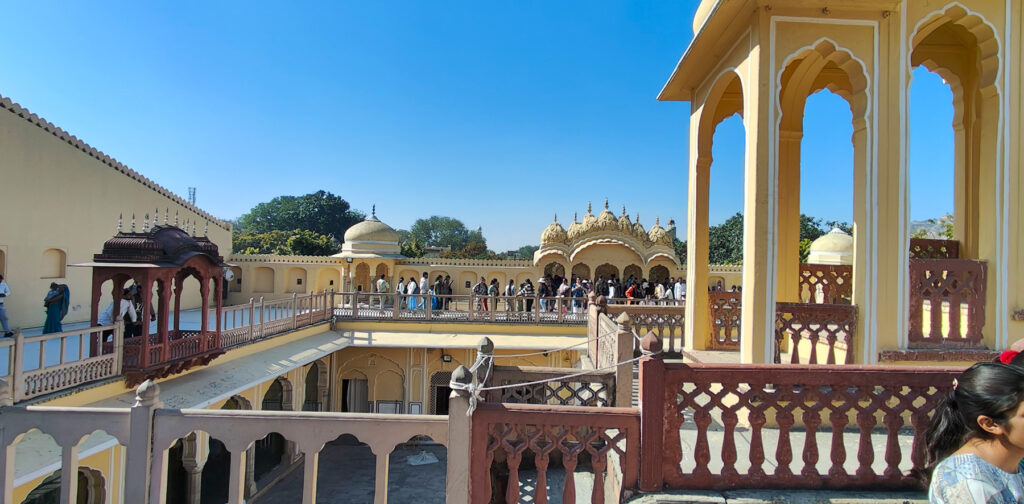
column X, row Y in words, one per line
column 56, row 304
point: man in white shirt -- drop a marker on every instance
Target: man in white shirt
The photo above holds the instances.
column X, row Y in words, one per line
column 4, row 293
column 383, row 287
column 125, row 307
column 423, row 290
column 680, row 289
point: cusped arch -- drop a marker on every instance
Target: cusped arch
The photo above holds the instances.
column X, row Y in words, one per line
column 802, row 75
column 725, row 98
column 605, row 241
column 984, row 32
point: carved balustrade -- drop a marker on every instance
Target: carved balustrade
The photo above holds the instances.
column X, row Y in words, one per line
column 259, row 319
column 61, row 360
column 726, row 312
column 788, row 426
column 668, row 321
column 810, row 329
column 509, row 439
column 460, row 308
column 946, row 295
column 593, row 389
column 826, row 283
column 921, row 248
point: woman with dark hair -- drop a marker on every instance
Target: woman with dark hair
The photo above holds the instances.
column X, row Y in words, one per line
column 976, row 436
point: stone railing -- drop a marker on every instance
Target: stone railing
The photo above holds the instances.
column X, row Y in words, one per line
column 521, row 450
column 144, row 471
column 259, row 319
column 668, row 321
column 921, row 248
column 724, row 322
column 757, row 426
column 40, row 365
column 460, row 308
column 951, row 292
column 593, row 389
column 813, row 329
column 487, row 263
column 826, row 283
column 284, row 259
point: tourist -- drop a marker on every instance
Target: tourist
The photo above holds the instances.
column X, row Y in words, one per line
column 577, row 294
column 611, row 290
column 382, row 287
column 56, row 304
column 976, row 436
column 679, row 289
column 563, row 296
column 510, row 294
column 630, row 292
column 5, row 292
column 659, row 292
column 437, row 300
column 492, row 292
column 526, row 291
column 480, row 292
column 124, row 307
column 411, row 290
column 542, row 293
column 446, row 289
column 400, row 292
column 423, row 290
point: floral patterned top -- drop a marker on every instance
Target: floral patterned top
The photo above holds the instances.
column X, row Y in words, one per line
column 967, row 479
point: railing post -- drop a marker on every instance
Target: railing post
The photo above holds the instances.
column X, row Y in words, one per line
column 472, row 306
column 252, row 321
column 652, row 414
column 295, row 310
column 623, row 351
column 262, row 310
column 396, row 311
column 428, row 308
column 493, row 307
column 118, row 347
column 18, row 370
column 460, row 440
column 139, row 456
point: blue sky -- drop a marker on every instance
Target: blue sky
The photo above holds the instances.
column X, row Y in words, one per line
column 497, row 113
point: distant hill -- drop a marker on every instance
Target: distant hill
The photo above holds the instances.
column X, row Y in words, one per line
column 940, row 228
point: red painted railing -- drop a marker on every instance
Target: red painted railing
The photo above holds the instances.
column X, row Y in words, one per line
column 948, row 291
column 520, row 437
column 826, row 283
column 921, row 248
column 806, row 327
column 733, row 426
column 726, row 312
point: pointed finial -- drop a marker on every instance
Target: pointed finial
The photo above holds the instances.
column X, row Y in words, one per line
column 556, row 218
column 120, row 217
column 175, row 218
column 145, row 223
column 575, row 217
column 133, row 223
column 588, row 208
column 657, row 221
column 167, row 213
column 193, row 228
column 206, row 229
column 623, row 210
column 637, row 218
column 373, row 211
column 606, row 203
column 156, row 216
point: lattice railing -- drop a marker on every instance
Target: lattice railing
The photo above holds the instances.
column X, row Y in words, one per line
column 668, row 322
column 62, row 360
column 813, row 329
column 593, row 389
column 945, row 296
column 921, row 248
column 795, row 426
column 726, row 312
column 512, row 441
column 826, row 283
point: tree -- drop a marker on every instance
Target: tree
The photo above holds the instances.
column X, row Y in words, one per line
column 526, row 251
column 680, row 248
column 725, row 241
column 320, row 212
column 439, row 231
column 311, row 243
column 297, row 242
column 412, row 248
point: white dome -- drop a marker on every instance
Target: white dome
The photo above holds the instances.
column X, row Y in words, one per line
column 834, row 247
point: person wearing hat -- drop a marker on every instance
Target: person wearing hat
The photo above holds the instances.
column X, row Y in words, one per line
column 526, row 291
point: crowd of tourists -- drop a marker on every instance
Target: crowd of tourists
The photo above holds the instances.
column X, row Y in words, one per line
column 550, row 293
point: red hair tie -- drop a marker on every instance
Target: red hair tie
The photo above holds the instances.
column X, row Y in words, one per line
column 1008, row 356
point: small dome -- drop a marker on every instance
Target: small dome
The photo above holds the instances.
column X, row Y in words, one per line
column 371, row 230
column 554, row 233
column 588, row 221
column 638, row 228
column 574, row 229
column 834, row 247
column 607, row 219
column 657, row 234
column 625, row 225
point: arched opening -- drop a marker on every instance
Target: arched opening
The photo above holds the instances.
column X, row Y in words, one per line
column 632, row 273
column 439, row 392
column 54, row 264
column 725, row 182
column 358, row 483
column 263, row 280
column 91, row 488
column 932, row 148
column 316, row 387
column 295, row 280
column 215, row 473
column 382, row 269
column 278, row 396
column 389, row 392
column 581, row 271
column 271, row 453
column 328, row 279
column 362, row 278
column 606, row 272
column 355, row 393
column 659, row 274
column 553, row 269
column 423, row 460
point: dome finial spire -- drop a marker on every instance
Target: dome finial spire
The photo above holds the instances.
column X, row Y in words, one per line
column 588, row 208
column 556, row 217
column 575, row 216
column 623, row 210
column 637, row 218
column 373, row 212
column 657, row 221
column 606, row 203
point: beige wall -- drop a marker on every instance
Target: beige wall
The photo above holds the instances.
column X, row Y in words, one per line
column 56, row 196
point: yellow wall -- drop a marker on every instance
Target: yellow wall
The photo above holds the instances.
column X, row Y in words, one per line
column 59, row 197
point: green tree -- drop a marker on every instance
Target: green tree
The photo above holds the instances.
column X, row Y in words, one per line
column 320, row 212
column 439, row 231
column 472, row 250
column 725, row 241
column 311, row 243
column 526, row 251
column 680, row 248
column 272, row 242
column 412, row 248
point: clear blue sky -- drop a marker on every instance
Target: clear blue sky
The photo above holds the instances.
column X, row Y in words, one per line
column 497, row 113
